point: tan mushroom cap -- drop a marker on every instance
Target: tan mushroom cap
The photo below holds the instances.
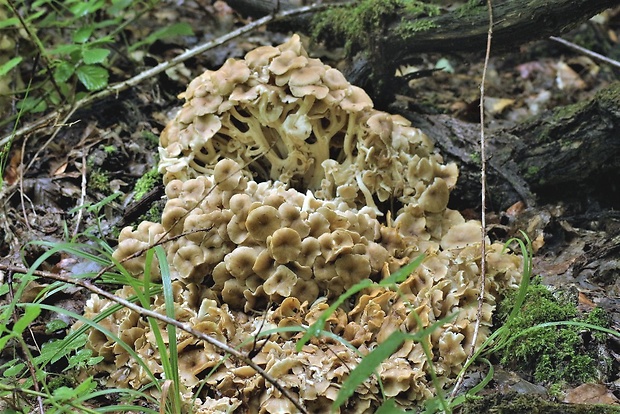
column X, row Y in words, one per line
column 227, row 174
column 284, row 245
column 262, row 221
column 435, row 198
column 461, row 235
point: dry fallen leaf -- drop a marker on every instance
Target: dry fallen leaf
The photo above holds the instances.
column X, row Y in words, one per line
column 591, row 394
column 12, row 171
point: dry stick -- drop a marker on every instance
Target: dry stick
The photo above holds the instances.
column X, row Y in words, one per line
column 121, row 86
column 152, row 314
column 585, row 51
column 82, row 196
column 483, row 184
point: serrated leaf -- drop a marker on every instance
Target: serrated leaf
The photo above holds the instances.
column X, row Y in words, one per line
column 368, row 365
column 92, row 77
column 65, row 49
column 82, row 34
column 30, row 314
column 63, row 71
column 94, row 55
column 6, row 67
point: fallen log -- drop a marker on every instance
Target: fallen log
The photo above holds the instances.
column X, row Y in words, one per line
column 569, row 154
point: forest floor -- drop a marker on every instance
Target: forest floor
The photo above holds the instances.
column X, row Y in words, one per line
column 109, row 145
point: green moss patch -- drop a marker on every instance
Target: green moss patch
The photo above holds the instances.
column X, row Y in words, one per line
column 553, row 353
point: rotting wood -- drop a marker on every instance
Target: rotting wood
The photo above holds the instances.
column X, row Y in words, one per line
column 570, row 154
column 517, row 23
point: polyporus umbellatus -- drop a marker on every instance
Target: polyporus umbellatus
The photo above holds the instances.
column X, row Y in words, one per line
column 248, row 256
column 286, row 117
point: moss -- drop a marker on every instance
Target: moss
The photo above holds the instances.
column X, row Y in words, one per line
column 512, row 403
column 99, row 181
column 151, row 138
column 109, row 149
column 146, row 183
column 549, row 354
column 360, row 24
column 531, row 172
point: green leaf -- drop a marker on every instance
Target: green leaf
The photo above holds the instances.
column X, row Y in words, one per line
column 93, row 77
column 7, row 66
column 30, row 314
column 65, row 393
column 14, row 370
column 177, row 29
column 32, row 105
column 4, row 339
column 85, row 387
column 82, row 34
column 368, row 365
column 55, row 325
column 82, row 8
column 63, row 71
column 65, row 49
column 94, row 55
column 389, row 407
column 12, row 21
column 118, row 6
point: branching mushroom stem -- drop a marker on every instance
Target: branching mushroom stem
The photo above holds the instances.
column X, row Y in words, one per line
column 149, row 313
column 129, row 83
column 483, row 185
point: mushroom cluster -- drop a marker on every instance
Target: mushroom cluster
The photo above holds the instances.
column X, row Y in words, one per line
column 258, row 243
column 249, row 256
column 290, row 118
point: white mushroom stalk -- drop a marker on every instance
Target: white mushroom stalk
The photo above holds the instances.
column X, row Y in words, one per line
column 287, row 117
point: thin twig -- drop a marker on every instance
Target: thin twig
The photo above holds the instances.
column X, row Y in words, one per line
column 585, row 51
column 82, row 196
column 129, row 83
column 152, row 314
column 483, row 185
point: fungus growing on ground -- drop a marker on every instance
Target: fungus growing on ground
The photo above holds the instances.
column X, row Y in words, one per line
column 249, row 256
column 287, row 117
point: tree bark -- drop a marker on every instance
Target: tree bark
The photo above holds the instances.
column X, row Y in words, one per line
column 569, row 154
column 517, row 22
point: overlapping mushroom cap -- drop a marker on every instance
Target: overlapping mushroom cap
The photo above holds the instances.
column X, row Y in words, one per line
column 290, row 118
column 248, row 256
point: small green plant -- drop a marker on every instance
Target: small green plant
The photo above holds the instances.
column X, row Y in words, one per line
column 48, row 378
column 76, row 40
column 99, row 180
column 551, row 353
column 146, row 183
